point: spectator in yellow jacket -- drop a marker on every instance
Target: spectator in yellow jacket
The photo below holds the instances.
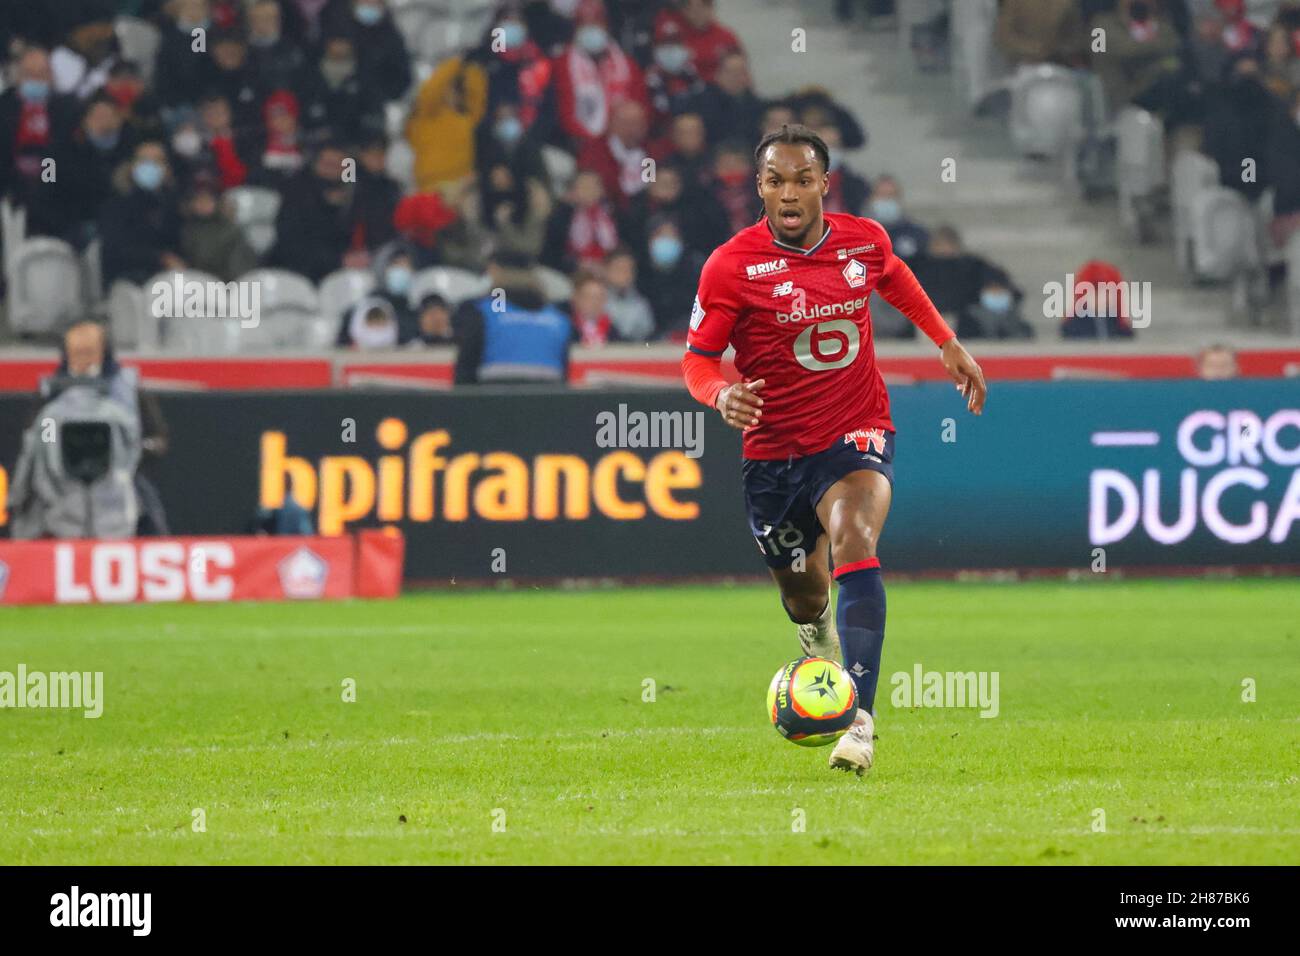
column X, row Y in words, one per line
column 440, row 129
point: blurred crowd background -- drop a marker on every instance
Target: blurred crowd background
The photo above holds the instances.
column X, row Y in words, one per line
column 389, row 161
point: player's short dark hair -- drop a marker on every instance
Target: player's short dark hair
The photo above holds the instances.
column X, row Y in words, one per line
column 795, row 134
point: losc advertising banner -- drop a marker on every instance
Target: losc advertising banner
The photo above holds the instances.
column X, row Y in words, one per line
column 212, row 569
column 545, row 484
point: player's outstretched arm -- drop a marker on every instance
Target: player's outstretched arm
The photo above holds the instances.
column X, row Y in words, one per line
column 966, row 373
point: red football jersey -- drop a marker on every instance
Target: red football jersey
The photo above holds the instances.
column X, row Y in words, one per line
column 799, row 319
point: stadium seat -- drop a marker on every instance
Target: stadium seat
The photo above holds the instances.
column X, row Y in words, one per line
column 129, row 318
column 1141, row 172
column 977, row 67
column 46, row 286
column 1192, row 173
column 290, row 308
column 254, row 210
column 400, row 164
column 1047, row 110
column 412, row 17
column 454, row 285
column 1222, row 234
column 138, row 41
column 190, row 335
column 341, row 290
column 556, row 286
column 561, row 167
column 92, row 274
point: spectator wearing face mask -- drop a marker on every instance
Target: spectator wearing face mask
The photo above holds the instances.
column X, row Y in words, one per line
column 1095, row 315
column 140, row 227
column 519, row 74
column 629, row 311
column 886, row 207
column 672, row 80
column 210, row 240
column 383, row 62
column 502, row 140
column 36, row 125
column 582, row 229
column 336, row 106
column 593, row 76
column 700, row 219
column 441, row 125
column 394, row 267
column 669, row 277
column 996, row 315
column 705, row 39
column 85, row 183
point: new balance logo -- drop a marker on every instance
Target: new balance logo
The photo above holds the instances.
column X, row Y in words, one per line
column 766, row 268
column 784, row 288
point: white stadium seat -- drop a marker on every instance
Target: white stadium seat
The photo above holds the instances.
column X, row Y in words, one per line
column 254, row 209
column 290, row 308
column 556, row 286
column 454, row 285
column 1141, row 165
column 207, row 334
column 1192, row 174
column 341, row 290
column 46, row 291
column 1047, row 110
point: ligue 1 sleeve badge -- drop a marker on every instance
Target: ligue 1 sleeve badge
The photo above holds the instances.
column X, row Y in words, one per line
column 855, row 274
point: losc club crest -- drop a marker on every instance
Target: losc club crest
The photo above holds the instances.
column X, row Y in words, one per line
column 855, row 274
column 303, row 574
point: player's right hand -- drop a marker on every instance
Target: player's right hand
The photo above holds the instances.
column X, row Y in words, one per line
column 740, row 405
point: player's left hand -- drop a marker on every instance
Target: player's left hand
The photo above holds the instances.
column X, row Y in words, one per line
column 966, row 373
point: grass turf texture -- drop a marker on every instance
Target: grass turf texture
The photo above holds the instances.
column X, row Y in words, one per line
column 1116, row 695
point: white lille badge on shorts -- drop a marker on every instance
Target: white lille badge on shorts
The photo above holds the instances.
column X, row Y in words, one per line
column 855, row 274
column 697, row 314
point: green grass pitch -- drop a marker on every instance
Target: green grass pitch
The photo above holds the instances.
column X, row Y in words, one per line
column 509, row 727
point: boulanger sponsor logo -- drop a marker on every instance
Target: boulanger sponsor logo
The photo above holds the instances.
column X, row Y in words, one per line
column 303, row 574
column 1240, row 480
column 823, row 311
column 766, row 268
column 427, row 479
column 69, row 690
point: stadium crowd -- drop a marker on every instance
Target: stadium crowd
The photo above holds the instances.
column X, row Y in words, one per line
column 651, row 102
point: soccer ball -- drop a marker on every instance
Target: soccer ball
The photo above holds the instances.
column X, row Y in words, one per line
column 812, row 701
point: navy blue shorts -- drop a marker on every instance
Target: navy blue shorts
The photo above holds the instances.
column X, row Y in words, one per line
column 781, row 495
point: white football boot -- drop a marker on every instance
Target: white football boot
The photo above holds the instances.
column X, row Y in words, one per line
column 819, row 638
column 856, row 749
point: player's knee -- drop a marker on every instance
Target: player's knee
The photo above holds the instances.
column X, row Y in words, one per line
column 853, row 541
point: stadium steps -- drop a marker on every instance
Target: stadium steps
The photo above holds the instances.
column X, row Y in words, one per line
column 1020, row 214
